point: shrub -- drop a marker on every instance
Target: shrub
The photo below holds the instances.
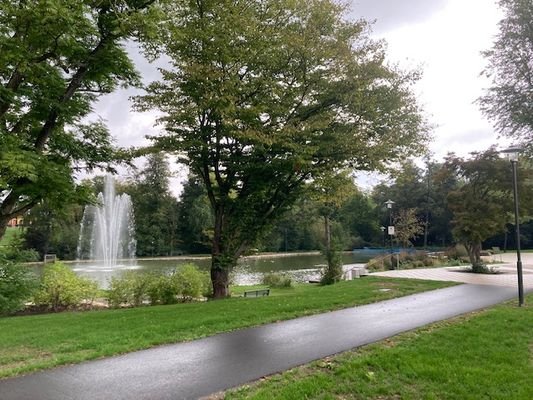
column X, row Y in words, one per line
column 61, row 288
column 17, row 285
column 185, row 283
column 190, row 281
column 16, row 252
column 333, row 272
column 454, row 263
column 419, row 259
column 457, row 252
column 381, row 263
column 276, row 280
column 208, row 285
column 162, row 289
column 131, row 288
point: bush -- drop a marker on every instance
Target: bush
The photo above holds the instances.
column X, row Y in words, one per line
column 162, row 289
column 418, row 259
column 333, row 272
column 190, row 282
column 185, row 283
column 61, row 288
column 131, row 289
column 457, row 252
column 16, row 252
column 17, row 285
column 276, row 280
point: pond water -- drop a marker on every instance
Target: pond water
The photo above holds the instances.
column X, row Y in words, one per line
column 249, row 271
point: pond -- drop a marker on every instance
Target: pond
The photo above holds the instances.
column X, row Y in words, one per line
column 302, row 267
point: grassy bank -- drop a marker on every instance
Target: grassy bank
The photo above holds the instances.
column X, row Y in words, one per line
column 11, row 232
column 485, row 355
column 36, row 342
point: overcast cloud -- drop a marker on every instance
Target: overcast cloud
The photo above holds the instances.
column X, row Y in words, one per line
column 393, row 14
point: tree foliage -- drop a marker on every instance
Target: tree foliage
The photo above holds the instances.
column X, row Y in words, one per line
column 195, row 217
column 263, row 96
column 426, row 192
column 482, row 201
column 56, row 58
column 407, row 226
column 156, row 210
column 56, row 231
column 509, row 100
column 331, row 191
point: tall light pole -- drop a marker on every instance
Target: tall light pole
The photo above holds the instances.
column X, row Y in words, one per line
column 389, row 204
column 512, row 155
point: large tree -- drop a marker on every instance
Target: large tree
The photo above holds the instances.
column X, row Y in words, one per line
column 482, row 200
column 56, row 58
column 263, row 96
column 509, row 100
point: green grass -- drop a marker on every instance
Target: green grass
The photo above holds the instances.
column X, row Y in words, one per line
column 8, row 236
column 30, row 343
column 484, row 355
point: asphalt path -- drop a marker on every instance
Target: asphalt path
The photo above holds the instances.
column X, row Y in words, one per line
column 201, row 367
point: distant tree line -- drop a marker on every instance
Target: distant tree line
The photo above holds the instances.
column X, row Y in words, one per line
column 433, row 206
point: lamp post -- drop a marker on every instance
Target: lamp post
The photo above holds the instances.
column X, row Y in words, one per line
column 389, row 204
column 512, row 155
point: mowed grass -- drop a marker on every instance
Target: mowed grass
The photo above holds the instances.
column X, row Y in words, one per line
column 30, row 343
column 484, row 355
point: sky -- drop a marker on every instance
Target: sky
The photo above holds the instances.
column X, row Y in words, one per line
column 444, row 38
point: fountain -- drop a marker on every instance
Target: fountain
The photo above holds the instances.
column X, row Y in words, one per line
column 107, row 229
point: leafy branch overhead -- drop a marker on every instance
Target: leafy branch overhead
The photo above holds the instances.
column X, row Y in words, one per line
column 509, row 99
column 56, row 58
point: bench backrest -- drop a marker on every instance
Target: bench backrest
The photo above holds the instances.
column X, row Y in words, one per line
column 257, row 293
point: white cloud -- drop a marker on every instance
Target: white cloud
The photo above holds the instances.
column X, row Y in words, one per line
column 448, row 47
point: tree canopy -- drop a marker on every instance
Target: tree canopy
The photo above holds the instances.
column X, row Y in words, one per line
column 509, row 100
column 263, row 96
column 481, row 202
column 56, row 58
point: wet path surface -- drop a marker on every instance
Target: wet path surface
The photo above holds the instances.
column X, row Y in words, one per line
column 201, row 367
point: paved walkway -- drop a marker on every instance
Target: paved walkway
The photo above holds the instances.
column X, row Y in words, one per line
column 506, row 269
column 201, row 367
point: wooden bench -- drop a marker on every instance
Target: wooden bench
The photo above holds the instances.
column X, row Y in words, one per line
column 49, row 258
column 257, row 293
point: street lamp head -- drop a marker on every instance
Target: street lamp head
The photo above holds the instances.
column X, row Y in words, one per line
column 511, row 153
column 389, row 203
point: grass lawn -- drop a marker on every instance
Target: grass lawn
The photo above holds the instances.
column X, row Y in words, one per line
column 484, row 355
column 30, row 343
column 10, row 233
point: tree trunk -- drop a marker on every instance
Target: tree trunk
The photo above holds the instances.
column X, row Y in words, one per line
column 219, row 267
column 220, row 281
column 327, row 232
column 474, row 254
column 505, row 242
